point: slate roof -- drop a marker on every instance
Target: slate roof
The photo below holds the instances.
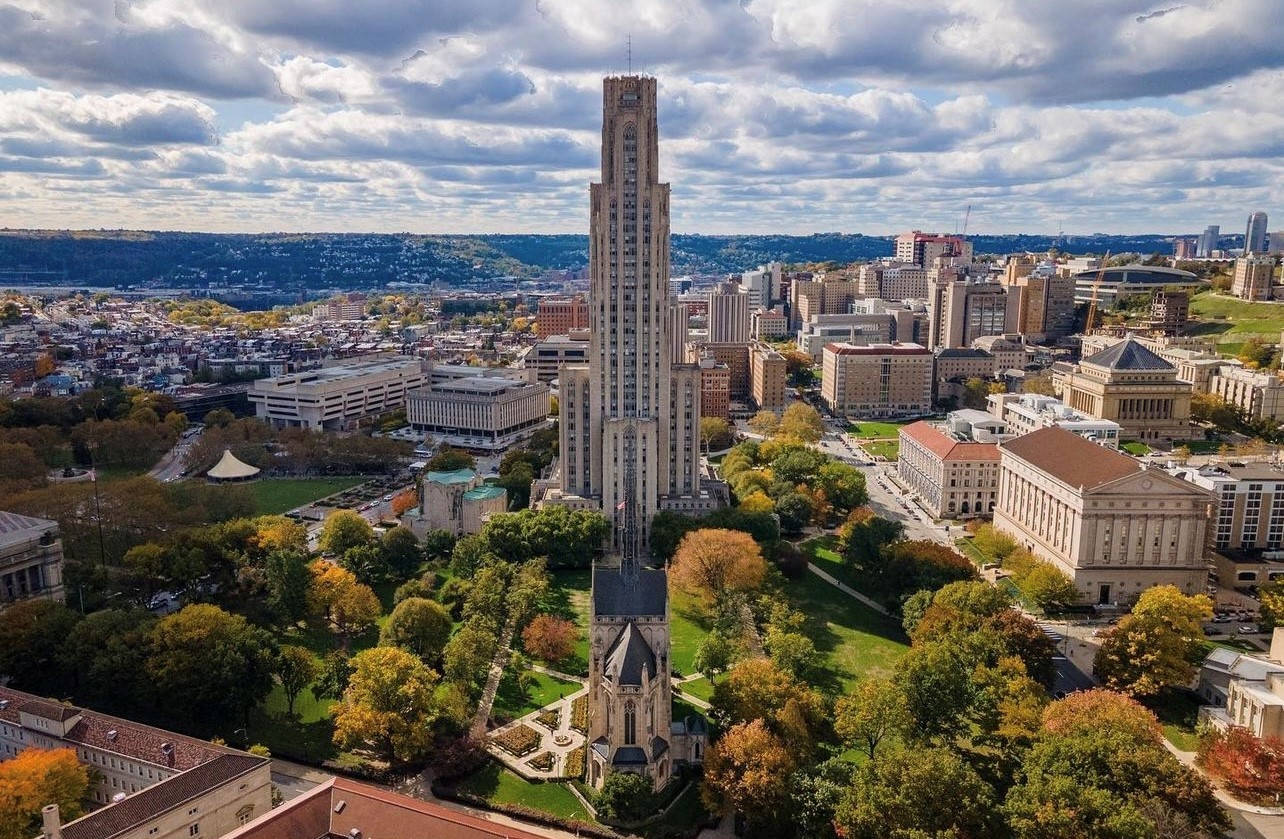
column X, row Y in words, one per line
column 643, row 593
column 629, row 657
column 1128, row 355
column 629, row 756
column 16, row 528
column 1070, row 458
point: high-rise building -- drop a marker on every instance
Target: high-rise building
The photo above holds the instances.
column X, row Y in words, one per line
column 679, row 319
column 630, row 441
column 728, row 315
column 768, row 372
column 1208, row 241
column 1184, row 248
column 877, row 381
column 1043, row 302
column 559, row 316
column 960, row 311
column 1275, row 243
column 923, row 249
column 762, row 285
column 1254, row 276
column 1255, row 234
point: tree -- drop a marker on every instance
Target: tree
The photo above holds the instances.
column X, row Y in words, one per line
column 802, row 422
column 448, row 459
column 216, row 661
column 550, row 638
column 388, row 706
column 366, row 562
column 747, row 771
column 798, row 464
column 345, row 604
column 1048, row 588
column 1252, row 767
column 35, row 778
column 419, row 625
column 1271, row 596
column 862, row 537
column 295, row 669
column 219, row 417
column 32, row 634
column 713, row 656
column 713, row 561
column 765, row 422
column 625, row 797
column 108, row 652
column 844, row 485
column 935, row 680
column 715, row 433
column 1157, row 645
column 437, row 545
column 401, row 554
column 332, row 680
column 288, row 578
column 873, row 711
column 792, row 652
column 916, row 793
column 469, row 652
column 343, row 530
column 756, row 689
column 471, row 553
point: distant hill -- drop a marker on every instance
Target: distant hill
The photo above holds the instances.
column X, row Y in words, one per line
column 324, row 260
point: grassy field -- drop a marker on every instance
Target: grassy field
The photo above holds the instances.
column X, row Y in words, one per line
column 511, row 703
column 1178, row 711
column 1135, row 448
column 688, row 625
column 569, row 598
column 501, row 786
column 876, row 430
column 969, row 549
column 277, row 495
column 889, row 449
column 700, row 688
column 822, row 553
column 1203, row 446
column 1242, row 317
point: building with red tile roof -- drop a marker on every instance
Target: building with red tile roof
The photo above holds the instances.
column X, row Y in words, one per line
column 953, row 476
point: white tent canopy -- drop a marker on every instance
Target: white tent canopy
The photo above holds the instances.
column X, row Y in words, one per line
column 229, row 468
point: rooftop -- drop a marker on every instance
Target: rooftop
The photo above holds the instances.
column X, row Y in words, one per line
column 644, row 593
column 946, row 447
column 230, row 467
column 16, row 528
column 484, row 492
column 629, row 658
column 457, row 476
column 844, row 348
column 1070, row 458
column 1127, row 355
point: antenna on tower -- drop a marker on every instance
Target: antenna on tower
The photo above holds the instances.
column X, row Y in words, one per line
column 629, row 50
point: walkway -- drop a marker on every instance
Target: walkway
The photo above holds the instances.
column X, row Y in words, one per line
column 482, row 717
column 569, row 737
column 846, row 589
column 1251, row 821
column 694, row 700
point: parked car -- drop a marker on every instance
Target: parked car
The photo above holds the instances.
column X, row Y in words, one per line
column 1221, row 618
column 1247, row 629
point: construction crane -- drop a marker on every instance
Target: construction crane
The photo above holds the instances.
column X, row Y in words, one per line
column 1092, row 304
column 966, row 217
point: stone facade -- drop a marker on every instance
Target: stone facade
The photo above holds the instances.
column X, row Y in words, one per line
column 952, row 478
column 879, row 381
column 1131, row 385
column 30, row 559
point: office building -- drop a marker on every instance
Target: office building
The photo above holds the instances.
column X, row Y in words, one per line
column 1169, row 311
column 458, row 502
column 340, row 396
column 1114, row 527
column 1255, row 234
column 561, row 316
column 630, row 443
column 735, row 357
column 768, row 325
column 1043, row 301
column 893, row 281
column 820, row 330
column 715, row 389
column 1131, row 385
column 923, row 249
column 762, row 285
column 489, row 413
column 878, row 381
column 1185, row 248
column 544, row 359
column 1207, row 244
column 30, row 559
column 953, row 475
column 348, row 307
column 145, row 783
column 960, row 311
column 1258, row 395
column 1022, row 413
column 728, row 316
column 1275, row 243
column 825, row 296
column 767, row 376
column 1254, row 278
column 679, row 323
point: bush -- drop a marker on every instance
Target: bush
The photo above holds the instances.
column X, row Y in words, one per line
column 579, row 714
column 549, row 719
column 575, row 760
column 625, row 797
column 520, row 740
column 459, row 757
column 543, row 762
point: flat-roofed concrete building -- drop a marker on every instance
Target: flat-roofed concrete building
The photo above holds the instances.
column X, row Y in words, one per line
column 1111, row 525
column 1254, row 277
column 339, row 396
column 1026, row 412
column 924, row 249
column 769, row 324
column 953, row 476
column 1043, row 303
column 30, row 559
column 544, row 359
column 825, row 296
column 961, row 310
column 1169, row 311
column 877, row 381
column 728, row 316
column 893, row 281
column 849, row 328
column 1131, row 385
column 343, row 809
column 767, row 376
column 146, row 783
column 479, row 412
column 1258, row 394
column 561, row 315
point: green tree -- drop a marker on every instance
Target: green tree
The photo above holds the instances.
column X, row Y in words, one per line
column 469, row 652
column 469, row 554
column 448, row 459
column 216, row 661
column 332, row 679
column 625, row 797
column 801, row 421
column 401, row 553
column 714, row 655
column 715, row 433
column 792, row 652
column 872, row 712
column 32, row 635
column 295, row 669
column 1157, row 645
column 794, row 511
column 936, row 682
column 863, row 536
column 1048, row 588
column 418, row 625
column 288, row 578
column 388, row 706
column 844, row 485
column 438, row 545
column 343, row 530
column 108, row 652
column 799, row 464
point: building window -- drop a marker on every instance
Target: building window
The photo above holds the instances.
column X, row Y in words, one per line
column 194, row 830
column 630, row 723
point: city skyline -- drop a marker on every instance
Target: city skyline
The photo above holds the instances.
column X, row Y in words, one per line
column 784, row 117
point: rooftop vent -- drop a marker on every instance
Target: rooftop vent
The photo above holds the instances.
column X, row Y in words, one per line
column 338, row 807
column 111, row 735
column 167, row 748
column 355, row 833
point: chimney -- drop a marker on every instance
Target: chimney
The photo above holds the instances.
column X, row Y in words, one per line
column 1277, row 645
column 51, row 822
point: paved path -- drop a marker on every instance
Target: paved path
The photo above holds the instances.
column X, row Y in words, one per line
column 478, row 727
column 548, row 738
column 1251, row 822
column 846, row 589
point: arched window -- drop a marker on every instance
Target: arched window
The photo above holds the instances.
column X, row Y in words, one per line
column 630, row 723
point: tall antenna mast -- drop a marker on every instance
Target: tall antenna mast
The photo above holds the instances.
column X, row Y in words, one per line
column 629, row 50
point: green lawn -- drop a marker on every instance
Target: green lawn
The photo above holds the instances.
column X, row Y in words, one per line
column 968, row 548
column 889, row 449
column 1242, row 317
column 689, row 623
column 1178, row 711
column 569, row 597
column 853, row 640
column 511, row 703
column 876, row 430
column 1203, row 446
column 278, row 495
column 700, row 688
column 502, row 786
column 1135, row 448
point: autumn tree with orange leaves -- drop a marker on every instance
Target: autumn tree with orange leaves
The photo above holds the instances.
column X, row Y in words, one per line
column 34, row 778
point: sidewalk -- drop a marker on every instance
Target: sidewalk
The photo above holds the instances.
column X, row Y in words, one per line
column 848, row 590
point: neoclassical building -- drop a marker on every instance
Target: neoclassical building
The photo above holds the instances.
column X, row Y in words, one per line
column 1112, row 525
column 1131, row 385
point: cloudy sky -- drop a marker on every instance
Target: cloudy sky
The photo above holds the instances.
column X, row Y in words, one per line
column 775, row 115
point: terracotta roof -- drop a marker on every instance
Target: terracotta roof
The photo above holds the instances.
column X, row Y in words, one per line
column 946, row 447
column 148, row 803
column 1070, row 458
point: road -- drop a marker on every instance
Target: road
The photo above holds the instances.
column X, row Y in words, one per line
column 172, row 463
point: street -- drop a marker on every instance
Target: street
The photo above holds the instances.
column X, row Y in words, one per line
column 173, row 462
